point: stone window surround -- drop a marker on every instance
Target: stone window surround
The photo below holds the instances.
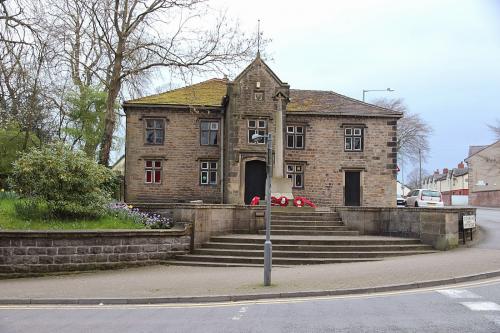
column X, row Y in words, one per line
column 352, row 126
column 257, row 129
column 210, row 121
column 144, row 119
column 295, row 134
column 209, row 170
column 294, row 172
column 153, row 169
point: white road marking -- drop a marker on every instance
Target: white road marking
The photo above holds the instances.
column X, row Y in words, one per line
column 458, row 293
column 240, row 314
column 481, row 306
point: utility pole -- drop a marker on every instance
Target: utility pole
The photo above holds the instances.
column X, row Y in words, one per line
column 420, row 168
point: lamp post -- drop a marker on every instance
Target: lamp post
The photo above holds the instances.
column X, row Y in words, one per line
column 365, row 91
column 268, row 251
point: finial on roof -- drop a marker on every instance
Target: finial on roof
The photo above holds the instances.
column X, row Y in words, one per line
column 258, row 38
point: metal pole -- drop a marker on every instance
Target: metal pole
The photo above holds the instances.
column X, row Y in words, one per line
column 420, row 168
column 364, row 91
column 268, row 245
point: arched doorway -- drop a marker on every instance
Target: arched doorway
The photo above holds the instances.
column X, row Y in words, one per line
column 255, row 180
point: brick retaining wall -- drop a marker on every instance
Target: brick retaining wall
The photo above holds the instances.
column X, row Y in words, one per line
column 37, row 252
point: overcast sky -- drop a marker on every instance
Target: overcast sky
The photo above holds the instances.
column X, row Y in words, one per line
column 442, row 57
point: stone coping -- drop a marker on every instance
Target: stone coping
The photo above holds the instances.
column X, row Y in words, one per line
column 93, row 233
column 191, row 205
column 413, row 209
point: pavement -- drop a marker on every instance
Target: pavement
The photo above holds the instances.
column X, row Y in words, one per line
column 479, row 259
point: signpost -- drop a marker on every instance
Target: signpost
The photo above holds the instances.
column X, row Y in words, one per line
column 468, row 223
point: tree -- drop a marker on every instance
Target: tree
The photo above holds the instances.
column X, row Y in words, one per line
column 413, row 132
column 496, row 129
column 414, row 179
column 71, row 184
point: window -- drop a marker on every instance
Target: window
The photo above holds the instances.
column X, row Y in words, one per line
column 153, row 172
column 155, row 131
column 209, row 134
column 208, row 173
column 295, row 137
column 353, row 139
column 295, row 172
column 257, row 126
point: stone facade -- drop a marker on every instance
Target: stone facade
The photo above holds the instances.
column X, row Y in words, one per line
column 484, row 176
column 39, row 252
column 254, row 98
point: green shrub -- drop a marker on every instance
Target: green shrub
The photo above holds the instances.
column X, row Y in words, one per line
column 7, row 194
column 72, row 185
column 31, row 209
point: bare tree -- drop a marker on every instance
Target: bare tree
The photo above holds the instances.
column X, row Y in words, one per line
column 140, row 35
column 413, row 131
column 496, row 129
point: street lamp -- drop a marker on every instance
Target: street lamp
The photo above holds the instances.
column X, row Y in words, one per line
column 365, row 91
column 267, row 244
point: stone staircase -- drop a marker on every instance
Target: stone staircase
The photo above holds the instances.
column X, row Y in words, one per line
column 301, row 238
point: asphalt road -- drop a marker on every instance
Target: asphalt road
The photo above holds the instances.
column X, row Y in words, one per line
column 489, row 221
column 465, row 308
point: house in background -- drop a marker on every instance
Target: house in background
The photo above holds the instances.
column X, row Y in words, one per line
column 484, row 175
column 195, row 143
column 453, row 185
column 402, row 189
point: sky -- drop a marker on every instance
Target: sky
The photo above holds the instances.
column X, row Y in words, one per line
column 441, row 57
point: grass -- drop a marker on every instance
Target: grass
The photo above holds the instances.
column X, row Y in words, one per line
column 9, row 220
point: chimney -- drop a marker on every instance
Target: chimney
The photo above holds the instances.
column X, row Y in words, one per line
column 461, row 165
column 445, row 171
column 436, row 172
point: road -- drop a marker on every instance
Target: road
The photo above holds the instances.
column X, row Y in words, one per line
column 473, row 307
column 465, row 308
column 489, row 221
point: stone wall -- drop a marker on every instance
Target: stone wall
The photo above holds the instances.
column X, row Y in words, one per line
column 434, row 226
column 36, row 252
column 485, row 199
column 325, row 160
column 212, row 220
column 181, row 155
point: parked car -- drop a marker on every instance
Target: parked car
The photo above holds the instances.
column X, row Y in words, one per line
column 400, row 201
column 424, row 198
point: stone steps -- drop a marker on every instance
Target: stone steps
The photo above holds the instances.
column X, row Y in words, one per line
column 260, row 260
column 354, row 241
column 310, row 232
column 308, row 227
column 319, row 248
column 301, row 238
column 277, row 254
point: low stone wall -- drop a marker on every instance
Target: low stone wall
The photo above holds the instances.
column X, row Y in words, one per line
column 211, row 219
column 37, row 252
column 485, row 199
column 434, row 226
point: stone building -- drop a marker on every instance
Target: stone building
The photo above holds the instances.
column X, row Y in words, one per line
column 195, row 143
column 484, row 175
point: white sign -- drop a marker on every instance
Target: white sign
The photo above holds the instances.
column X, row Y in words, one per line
column 469, row 221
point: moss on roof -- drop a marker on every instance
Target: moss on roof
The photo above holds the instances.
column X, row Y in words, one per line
column 206, row 93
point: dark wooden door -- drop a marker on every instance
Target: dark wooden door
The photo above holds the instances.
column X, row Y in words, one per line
column 255, row 180
column 352, row 188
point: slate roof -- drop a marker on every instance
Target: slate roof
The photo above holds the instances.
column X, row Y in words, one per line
column 333, row 103
column 210, row 93
column 460, row 172
column 206, row 93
